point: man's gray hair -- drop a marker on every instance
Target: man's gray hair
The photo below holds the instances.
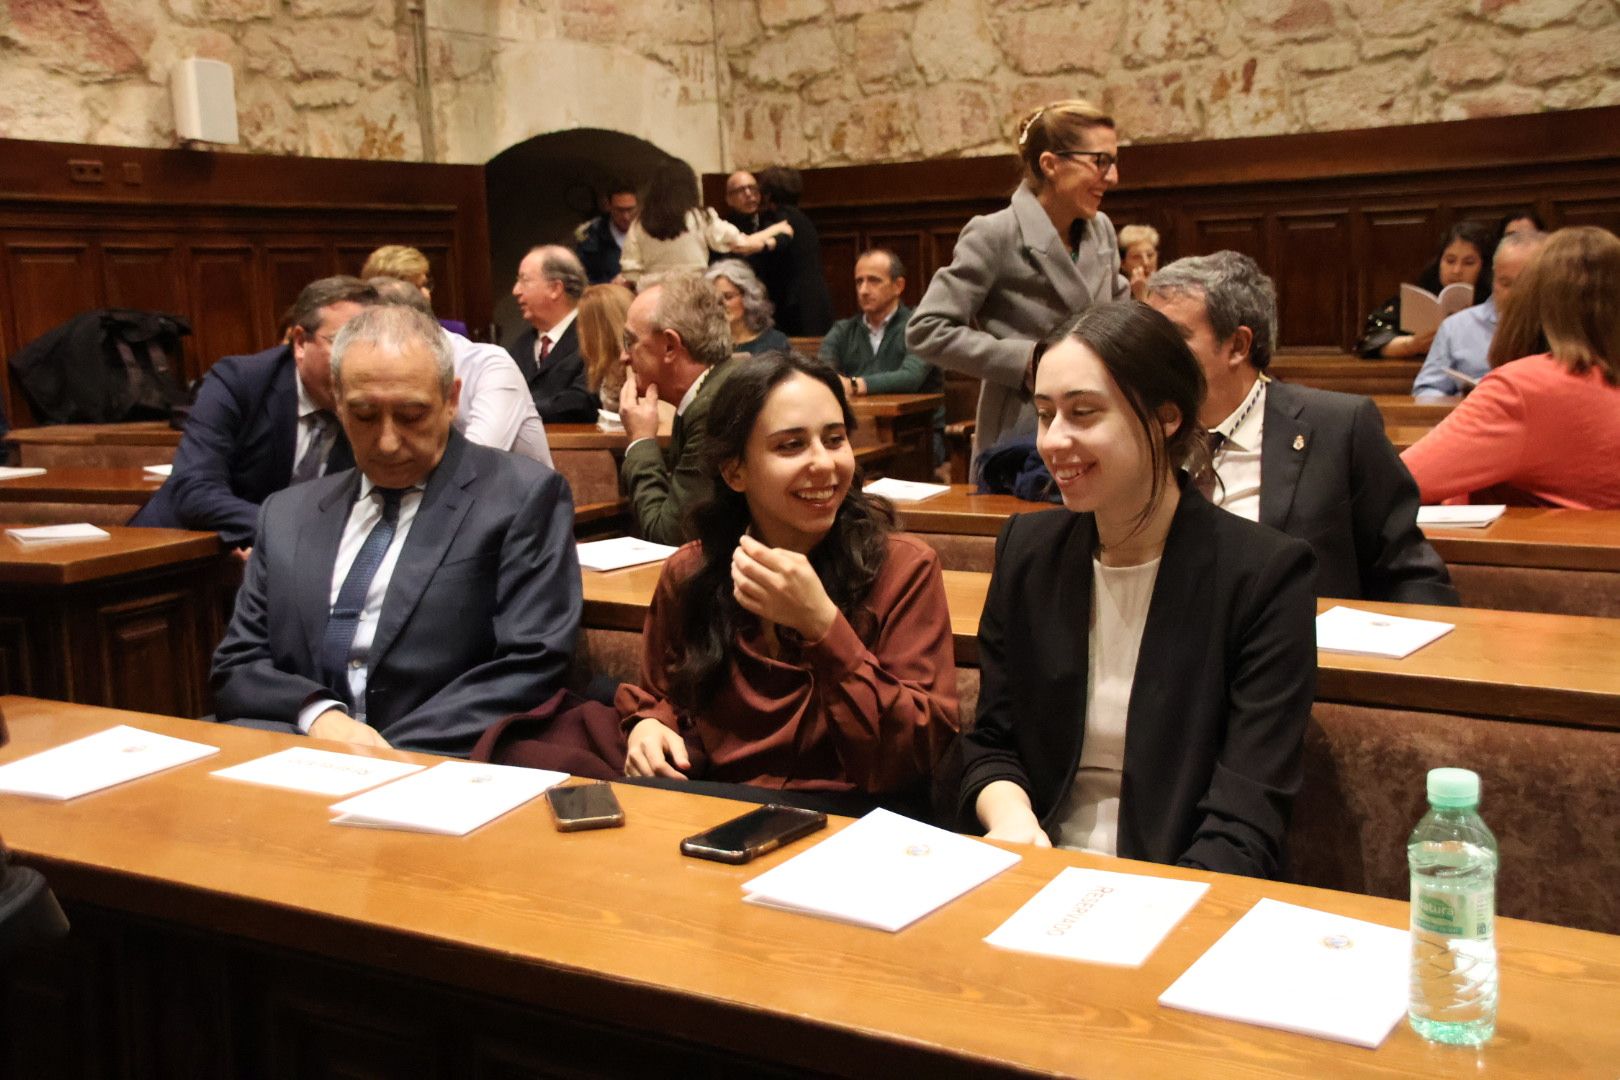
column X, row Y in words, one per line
column 897, row 268
column 393, row 290
column 396, row 328
column 1235, row 292
column 1529, row 238
column 757, row 307
column 687, row 305
column 559, row 264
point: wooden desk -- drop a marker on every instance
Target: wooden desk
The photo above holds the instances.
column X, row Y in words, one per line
column 1344, row 372
column 1400, row 409
column 906, row 421
column 126, row 445
column 129, row 621
column 225, row 929
column 70, row 494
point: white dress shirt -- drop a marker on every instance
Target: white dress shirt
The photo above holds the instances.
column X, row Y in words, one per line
column 1237, row 462
column 363, row 517
column 875, row 334
column 496, row 408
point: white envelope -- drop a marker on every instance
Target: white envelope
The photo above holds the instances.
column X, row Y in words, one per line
column 1460, row 517
column 905, row 490
column 452, row 799
column 322, row 772
column 1368, row 633
column 1099, row 916
column 1302, row 970
column 58, row 534
column 19, row 472
column 98, row 761
column 620, row 552
column 160, row 470
column 885, row 871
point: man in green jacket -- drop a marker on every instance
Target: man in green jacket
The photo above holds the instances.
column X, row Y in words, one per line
column 677, row 344
column 869, row 349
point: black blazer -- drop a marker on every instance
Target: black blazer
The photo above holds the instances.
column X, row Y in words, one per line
column 1329, row 475
column 237, row 449
column 1223, row 688
column 560, row 392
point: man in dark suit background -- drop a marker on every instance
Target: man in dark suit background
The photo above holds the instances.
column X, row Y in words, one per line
column 1312, row 463
column 803, row 304
column 416, row 599
column 600, row 240
column 261, row 422
column 550, row 281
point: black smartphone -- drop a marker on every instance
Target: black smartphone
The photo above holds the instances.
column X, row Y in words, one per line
column 754, row 833
column 585, row 806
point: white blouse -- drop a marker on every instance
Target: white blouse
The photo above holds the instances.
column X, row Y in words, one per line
column 644, row 255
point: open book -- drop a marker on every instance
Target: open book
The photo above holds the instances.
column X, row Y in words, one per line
column 1422, row 311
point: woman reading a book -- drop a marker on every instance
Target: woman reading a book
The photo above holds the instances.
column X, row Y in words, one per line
column 1465, row 256
column 1543, row 427
column 800, row 643
column 1147, row 660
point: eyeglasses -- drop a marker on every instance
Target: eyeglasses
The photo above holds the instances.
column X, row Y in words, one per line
column 742, row 189
column 1101, row 160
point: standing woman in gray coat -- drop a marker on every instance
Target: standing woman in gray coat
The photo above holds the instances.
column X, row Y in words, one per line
column 1020, row 272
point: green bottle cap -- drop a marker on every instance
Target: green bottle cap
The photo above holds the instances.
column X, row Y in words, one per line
column 1453, row 788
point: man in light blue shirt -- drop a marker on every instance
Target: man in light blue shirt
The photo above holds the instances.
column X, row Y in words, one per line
column 1464, row 340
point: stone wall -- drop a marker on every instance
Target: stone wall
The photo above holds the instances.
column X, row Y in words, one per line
column 811, row 82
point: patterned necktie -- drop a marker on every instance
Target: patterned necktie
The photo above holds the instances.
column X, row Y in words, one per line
column 309, row 466
column 545, row 347
column 1205, row 481
column 351, row 600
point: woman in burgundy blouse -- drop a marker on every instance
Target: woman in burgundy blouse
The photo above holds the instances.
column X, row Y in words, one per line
column 799, row 643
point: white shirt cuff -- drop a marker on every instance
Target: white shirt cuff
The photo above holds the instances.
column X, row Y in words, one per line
column 308, row 714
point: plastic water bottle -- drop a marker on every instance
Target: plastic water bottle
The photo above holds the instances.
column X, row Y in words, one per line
column 1452, row 856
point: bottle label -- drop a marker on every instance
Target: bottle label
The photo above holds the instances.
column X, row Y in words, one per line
column 1465, row 915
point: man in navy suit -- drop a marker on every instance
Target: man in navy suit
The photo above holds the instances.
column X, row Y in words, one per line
column 550, row 281
column 416, row 599
column 261, row 422
column 1311, row 463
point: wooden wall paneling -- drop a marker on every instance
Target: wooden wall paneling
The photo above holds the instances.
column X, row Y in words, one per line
column 147, row 275
column 1311, row 268
column 838, row 251
column 1226, row 231
column 48, row 282
column 1602, row 210
column 287, row 269
column 144, row 639
column 229, row 314
column 941, row 250
column 1398, row 242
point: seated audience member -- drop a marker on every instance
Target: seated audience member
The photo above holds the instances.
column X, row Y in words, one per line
column 549, row 284
column 495, row 408
column 600, row 240
column 261, row 422
column 1465, row 256
column 748, row 310
column 602, row 309
column 1517, row 221
column 869, row 349
column 1138, row 257
column 416, row 599
column 676, row 348
column 675, row 231
column 1461, row 343
column 1543, row 428
column 1314, row 464
column 1147, row 662
column 772, row 265
column 803, row 304
column 800, row 643
column 407, row 264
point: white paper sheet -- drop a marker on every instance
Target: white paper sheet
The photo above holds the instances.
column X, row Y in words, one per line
column 1099, row 916
column 885, row 871
column 1302, row 970
column 160, row 470
column 19, row 472
column 608, row 421
column 620, row 552
column 58, row 534
column 98, row 761
column 1460, row 517
column 1368, row 633
column 905, row 490
column 323, row 772
column 452, row 799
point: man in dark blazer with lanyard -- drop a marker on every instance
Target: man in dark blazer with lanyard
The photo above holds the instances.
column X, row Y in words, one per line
column 416, row 599
column 261, row 422
column 550, row 281
column 1311, row 463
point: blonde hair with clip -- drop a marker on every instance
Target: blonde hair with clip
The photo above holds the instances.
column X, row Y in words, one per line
column 1055, row 126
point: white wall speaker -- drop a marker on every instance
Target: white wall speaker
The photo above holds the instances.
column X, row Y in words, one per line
column 204, row 100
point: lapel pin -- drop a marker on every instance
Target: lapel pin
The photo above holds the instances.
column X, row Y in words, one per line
column 1299, row 442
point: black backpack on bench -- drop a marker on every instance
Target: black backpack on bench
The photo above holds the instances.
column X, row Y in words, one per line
column 105, row 366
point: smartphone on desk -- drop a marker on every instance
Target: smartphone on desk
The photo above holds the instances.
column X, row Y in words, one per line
column 754, row 833
column 585, row 806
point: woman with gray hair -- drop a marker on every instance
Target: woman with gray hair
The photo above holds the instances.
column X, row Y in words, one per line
column 748, row 309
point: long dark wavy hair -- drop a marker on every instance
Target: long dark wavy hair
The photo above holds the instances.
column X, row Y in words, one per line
column 847, row 560
column 671, row 194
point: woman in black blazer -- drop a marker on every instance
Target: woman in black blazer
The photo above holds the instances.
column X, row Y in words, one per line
column 1208, row 722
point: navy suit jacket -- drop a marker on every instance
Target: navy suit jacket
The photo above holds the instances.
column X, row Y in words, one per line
column 479, row 620
column 236, row 450
column 561, row 394
column 1329, row 475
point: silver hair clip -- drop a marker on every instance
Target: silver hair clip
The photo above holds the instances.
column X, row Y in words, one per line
column 1023, row 134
